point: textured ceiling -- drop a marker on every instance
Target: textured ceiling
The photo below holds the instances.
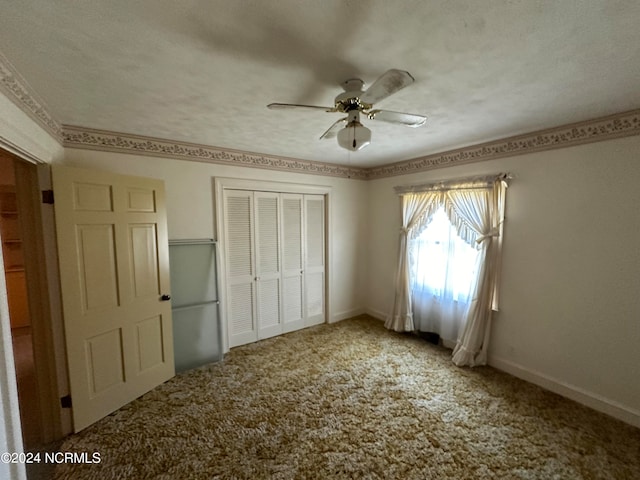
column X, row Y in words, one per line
column 204, row 71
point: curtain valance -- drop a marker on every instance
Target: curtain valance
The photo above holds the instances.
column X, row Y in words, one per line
column 469, row 183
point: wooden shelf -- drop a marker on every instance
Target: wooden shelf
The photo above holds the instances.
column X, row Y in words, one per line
column 14, row 268
column 12, row 245
column 15, row 274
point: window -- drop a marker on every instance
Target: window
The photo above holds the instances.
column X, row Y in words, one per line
column 445, row 284
column 442, row 275
column 442, row 264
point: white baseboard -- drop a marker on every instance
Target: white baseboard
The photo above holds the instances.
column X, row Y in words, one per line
column 354, row 312
column 590, row 399
column 377, row 314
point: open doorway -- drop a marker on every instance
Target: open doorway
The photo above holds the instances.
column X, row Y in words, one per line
column 21, row 331
column 21, row 234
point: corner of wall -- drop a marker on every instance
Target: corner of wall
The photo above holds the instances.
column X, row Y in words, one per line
column 377, row 314
column 354, row 312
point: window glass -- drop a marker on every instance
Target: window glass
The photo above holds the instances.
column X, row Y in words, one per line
column 442, row 262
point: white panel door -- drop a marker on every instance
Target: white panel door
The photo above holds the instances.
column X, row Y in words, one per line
column 267, row 254
column 114, row 273
column 240, row 270
column 292, row 262
column 314, row 254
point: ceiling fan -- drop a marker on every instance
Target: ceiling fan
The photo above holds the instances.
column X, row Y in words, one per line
column 351, row 134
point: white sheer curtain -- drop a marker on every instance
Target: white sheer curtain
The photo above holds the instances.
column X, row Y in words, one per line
column 480, row 214
column 416, row 210
column 442, row 273
column 475, row 209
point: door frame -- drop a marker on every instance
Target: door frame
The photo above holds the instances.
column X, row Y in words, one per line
column 29, row 203
column 38, row 276
column 222, row 183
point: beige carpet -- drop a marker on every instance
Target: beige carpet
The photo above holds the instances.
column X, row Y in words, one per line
column 353, row 400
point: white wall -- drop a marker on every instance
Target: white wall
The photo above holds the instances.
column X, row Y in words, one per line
column 190, row 209
column 570, row 296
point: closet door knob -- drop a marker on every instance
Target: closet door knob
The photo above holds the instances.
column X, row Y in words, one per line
column 165, row 297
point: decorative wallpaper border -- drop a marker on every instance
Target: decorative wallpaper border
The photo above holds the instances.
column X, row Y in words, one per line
column 78, row 137
column 605, row 128
column 16, row 89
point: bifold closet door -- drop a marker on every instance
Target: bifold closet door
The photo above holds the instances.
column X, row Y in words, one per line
column 292, row 262
column 314, row 265
column 275, row 263
column 268, row 275
column 240, row 274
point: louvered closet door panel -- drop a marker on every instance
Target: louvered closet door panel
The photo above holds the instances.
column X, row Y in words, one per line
column 241, row 295
column 268, row 274
column 292, row 262
column 314, row 268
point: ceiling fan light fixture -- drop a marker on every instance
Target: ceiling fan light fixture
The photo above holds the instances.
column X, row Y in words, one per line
column 354, row 136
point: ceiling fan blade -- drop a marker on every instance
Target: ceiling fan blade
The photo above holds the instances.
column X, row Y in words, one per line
column 408, row 119
column 333, row 130
column 281, row 106
column 388, row 83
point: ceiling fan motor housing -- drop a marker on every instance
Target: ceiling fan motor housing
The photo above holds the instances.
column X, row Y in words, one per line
column 350, row 99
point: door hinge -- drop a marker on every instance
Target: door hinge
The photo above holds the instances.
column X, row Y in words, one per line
column 47, row 196
column 65, row 401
